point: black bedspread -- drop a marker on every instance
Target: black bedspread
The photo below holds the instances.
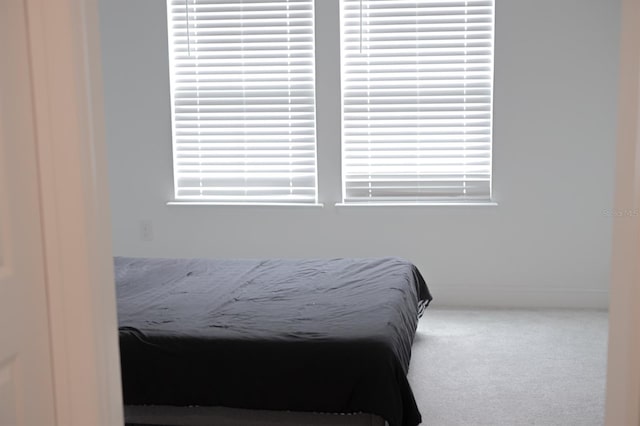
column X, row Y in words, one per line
column 300, row 335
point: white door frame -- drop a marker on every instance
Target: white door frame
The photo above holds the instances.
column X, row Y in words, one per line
column 623, row 368
column 65, row 54
column 66, row 75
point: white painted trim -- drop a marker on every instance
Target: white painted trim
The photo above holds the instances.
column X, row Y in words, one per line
column 204, row 203
column 65, row 55
column 422, row 204
column 518, row 296
column 623, row 370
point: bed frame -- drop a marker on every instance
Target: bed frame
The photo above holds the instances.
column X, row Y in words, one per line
column 221, row 416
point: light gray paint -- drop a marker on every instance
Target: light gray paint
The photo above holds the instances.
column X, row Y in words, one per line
column 547, row 243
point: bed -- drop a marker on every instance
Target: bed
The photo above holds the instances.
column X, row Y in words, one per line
column 321, row 336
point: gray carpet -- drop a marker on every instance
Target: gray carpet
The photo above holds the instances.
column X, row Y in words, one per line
column 510, row 367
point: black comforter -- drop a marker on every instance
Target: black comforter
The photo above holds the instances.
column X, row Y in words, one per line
column 301, row 335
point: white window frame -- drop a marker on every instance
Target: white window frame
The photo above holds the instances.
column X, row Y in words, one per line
column 304, row 192
column 484, row 195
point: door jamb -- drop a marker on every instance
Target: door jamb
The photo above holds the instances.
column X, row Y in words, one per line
column 64, row 49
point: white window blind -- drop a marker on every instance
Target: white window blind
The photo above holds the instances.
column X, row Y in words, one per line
column 243, row 97
column 417, row 100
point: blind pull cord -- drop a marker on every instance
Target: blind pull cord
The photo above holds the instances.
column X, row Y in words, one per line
column 360, row 26
column 186, row 6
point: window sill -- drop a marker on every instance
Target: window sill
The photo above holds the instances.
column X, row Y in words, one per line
column 208, row 203
column 321, row 205
column 423, row 204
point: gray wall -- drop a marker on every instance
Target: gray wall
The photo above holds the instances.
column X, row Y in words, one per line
column 547, row 243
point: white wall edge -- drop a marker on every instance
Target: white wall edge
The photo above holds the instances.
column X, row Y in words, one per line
column 488, row 296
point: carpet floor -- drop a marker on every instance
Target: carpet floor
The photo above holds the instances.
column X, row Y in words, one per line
column 510, row 367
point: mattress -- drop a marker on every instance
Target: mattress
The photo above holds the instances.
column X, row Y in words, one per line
column 310, row 335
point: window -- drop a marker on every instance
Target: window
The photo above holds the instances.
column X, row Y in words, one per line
column 417, row 100
column 243, row 101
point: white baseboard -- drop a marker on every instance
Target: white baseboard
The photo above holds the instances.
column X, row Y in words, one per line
column 490, row 296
